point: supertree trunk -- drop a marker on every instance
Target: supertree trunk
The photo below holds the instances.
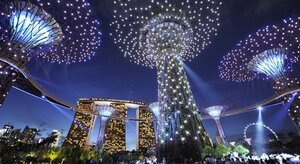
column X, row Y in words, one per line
column 294, row 98
column 221, row 131
column 7, row 78
column 101, row 135
column 182, row 134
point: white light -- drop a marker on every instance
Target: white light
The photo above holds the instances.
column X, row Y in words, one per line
column 215, row 111
column 260, row 108
column 270, row 62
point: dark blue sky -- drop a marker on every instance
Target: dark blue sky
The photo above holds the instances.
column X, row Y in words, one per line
column 111, row 75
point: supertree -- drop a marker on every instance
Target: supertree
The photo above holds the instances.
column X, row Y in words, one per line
column 154, row 107
column 215, row 112
column 61, row 32
column 163, row 34
column 105, row 113
column 268, row 54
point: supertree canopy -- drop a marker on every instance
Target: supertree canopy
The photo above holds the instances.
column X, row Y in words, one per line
column 34, row 28
column 62, row 32
column 147, row 30
column 163, row 34
column 154, row 107
column 215, row 112
column 268, row 54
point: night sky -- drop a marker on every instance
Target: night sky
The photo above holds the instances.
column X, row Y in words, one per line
column 111, row 75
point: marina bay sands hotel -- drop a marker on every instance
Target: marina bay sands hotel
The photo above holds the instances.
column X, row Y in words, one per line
column 112, row 114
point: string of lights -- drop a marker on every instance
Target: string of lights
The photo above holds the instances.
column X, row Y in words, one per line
column 36, row 29
column 163, row 34
column 268, row 54
column 269, row 51
column 60, row 32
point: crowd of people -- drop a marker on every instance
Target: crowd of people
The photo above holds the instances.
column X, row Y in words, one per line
column 234, row 159
column 264, row 158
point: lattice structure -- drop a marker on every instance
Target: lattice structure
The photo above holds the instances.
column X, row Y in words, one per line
column 31, row 28
column 258, row 124
column 215, row 113
column 163, row 34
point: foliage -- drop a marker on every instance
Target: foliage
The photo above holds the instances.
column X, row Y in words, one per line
column 221, row 150
column 208, row 151
column 241, row 150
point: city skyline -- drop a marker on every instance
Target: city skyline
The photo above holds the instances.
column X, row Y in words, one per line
column 110, row 75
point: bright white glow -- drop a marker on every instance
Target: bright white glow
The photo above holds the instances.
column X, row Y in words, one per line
column 105, row 112
column 271, row 63
column 29, row 28
column 214, row 111
column 282, row 36
column 154, row 108
column 260, row 108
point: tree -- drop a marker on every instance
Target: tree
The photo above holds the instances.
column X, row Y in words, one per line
column 208, row 151
column 241, row 150
column 221, row 150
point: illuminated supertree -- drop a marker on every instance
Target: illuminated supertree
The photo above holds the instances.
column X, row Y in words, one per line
column 154, row 107
column 61, row 32
column 268, row 54
column 163, row 34
column 215, row 113
column 105, row 113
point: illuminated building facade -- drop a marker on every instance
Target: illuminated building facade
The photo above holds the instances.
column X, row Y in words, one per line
column 112, row 132
column 115, row 135
column 145, row 130
column 28, row 135
column 14, row 137
column 82, row 125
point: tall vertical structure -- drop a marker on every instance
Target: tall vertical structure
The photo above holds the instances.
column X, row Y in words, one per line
column 145, row 130
column 105, row 112
column 115, row 136
column 163, row 34
column 154, row 107
column 215, row 113
column 83, row 123
column 268, row 54
column 28, row 135
column 31, row 28
column 14, row 137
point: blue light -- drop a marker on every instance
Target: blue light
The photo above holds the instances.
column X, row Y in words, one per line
column 271, row 63
column 105, row 112
column 271, row 66
column 155, row 108
column 31, row 26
